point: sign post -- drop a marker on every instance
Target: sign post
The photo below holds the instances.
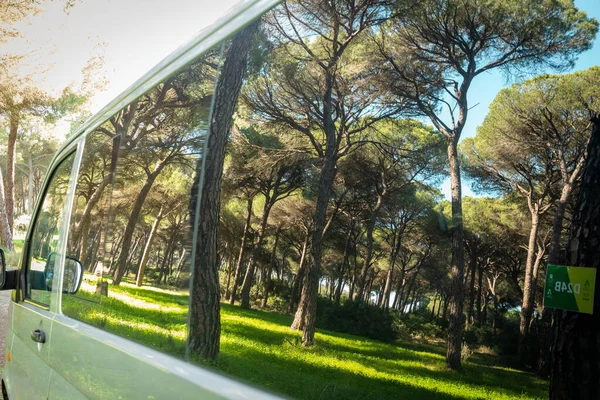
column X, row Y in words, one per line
column 570, row 288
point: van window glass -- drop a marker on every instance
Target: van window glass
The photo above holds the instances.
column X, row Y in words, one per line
column 88, row 223
column 45, row 234
column 131, row 219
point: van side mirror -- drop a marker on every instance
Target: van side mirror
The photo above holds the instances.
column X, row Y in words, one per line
column 8, row 279
column 72, row 276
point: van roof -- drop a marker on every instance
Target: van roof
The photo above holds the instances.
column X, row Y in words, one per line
column 224, row 27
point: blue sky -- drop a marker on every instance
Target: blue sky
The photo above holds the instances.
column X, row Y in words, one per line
column 486, row 87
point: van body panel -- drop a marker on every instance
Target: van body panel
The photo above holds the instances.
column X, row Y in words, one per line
column 102, row 365
column 28, row 365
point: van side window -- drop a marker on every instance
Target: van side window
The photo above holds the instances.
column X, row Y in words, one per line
column 89, row 216
column 131, row 224
column 45, row 234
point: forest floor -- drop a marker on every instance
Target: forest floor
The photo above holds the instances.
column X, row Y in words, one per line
column 259, row 348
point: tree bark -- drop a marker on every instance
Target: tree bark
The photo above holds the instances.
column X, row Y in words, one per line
column 472, row 268
column 528, row 288
column 369, row 248
column 270, row 269
column 310, row 290
column 204, row 314
column 543, row 362
column 29, row 207
column 9, row 193
column 146, row 254
column 576, row 343
column 5, row 232
column 297, row 287
column 456, row 327
column 249, row 276
column 131, row 224
column 238, row 265
column 480, row 293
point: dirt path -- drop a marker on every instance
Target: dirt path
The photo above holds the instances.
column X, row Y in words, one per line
column 4, row 302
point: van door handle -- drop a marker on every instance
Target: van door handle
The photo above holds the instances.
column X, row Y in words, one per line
column 39, row 336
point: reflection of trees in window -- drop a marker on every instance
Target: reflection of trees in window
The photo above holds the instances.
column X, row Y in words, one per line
column 166, row 129
column 46, row 229
column 47, row 223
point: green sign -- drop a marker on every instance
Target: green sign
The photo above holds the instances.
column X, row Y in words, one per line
column 570, row 288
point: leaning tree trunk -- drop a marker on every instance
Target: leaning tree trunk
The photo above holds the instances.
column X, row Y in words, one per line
column 455, row 329
column 576, row 343
column 204, row 315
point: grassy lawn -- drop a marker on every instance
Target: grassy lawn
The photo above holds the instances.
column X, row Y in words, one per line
column 258, row 347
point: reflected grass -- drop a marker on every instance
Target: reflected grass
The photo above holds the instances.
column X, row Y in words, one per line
column 258, row 347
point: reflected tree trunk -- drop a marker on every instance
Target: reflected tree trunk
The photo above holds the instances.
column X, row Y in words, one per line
column 145, row 255
column 204, row 315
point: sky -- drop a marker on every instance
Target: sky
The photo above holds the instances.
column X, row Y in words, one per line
column 134, row 35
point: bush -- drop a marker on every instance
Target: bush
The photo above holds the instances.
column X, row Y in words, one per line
column 475, row 336
column 280, row 289
column 278, row 304
column 420, row 325
column 356, row 318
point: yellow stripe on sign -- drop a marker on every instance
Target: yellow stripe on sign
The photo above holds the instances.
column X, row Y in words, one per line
column 582, row 284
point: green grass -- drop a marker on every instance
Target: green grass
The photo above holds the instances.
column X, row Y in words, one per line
column 258, row 347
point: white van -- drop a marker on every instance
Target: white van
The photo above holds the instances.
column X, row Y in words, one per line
column 127, row 171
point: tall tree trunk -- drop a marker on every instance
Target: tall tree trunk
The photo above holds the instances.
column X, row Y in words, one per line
column 5, row 232
column 480, row 293
column 84, row 222
column 270, row 269
column 146, row 254
column 29, row 207
column 11, row 151
column 543, row 362
column 249, row 276
column 297, row 287
column 455, row 329
column 369, row 247
column 131, row 224
column 230, row 267
column 576, row 345
column 390, row 275
column 309, row 296
column 238, row 265
column 528, row 288
column 204, row 315
column 472, row 270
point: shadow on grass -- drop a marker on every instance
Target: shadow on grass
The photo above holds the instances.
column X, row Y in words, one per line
column 340, row 367
column 299, row 379
column 152, row 295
